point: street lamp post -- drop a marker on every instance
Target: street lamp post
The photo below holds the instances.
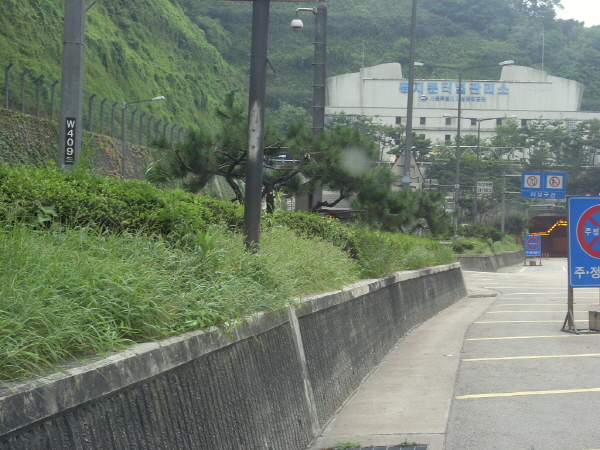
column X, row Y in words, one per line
column 479, row 153
column 320, row 65
column 460, row 71
column 410, row 100
column 160, row 98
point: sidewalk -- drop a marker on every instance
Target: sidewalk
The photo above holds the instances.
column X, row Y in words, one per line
column 408, row 397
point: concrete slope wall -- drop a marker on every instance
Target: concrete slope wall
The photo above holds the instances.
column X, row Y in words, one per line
column 490, row 263
column 271, row 383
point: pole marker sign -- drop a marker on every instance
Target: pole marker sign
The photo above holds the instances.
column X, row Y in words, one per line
column 533, row 246
column 70, row 135
column 584, row 241
column 550, row 185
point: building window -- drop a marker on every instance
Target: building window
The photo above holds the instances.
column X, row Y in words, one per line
column 498, row 121
column 423, row 121
column 447, row 138
column 473, row 121
column 523, row 123
column 398, row 120
column 448, row 120
column 570, row 124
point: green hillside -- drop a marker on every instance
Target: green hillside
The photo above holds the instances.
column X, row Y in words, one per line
column 134, row 50
column 195, row 52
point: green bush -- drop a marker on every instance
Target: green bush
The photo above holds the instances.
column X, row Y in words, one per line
column 79, row 199
column 382, row 253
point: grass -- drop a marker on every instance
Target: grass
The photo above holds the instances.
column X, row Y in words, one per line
column 68, row 293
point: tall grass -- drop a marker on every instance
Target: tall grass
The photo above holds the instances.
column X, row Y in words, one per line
column 67, row 293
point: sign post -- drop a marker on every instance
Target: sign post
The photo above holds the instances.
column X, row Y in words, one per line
column 583, row 215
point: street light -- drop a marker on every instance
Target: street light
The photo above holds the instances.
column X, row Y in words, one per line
column 479, row 153
column 320, row 64
column 160, row 98
column 460, row 71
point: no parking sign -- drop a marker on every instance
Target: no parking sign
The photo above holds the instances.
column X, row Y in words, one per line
column 533, row 246
column 584, row 241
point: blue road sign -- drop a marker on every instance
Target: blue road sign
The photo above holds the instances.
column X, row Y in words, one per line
column 544, row 185
column 584, row 241
column 533, row 246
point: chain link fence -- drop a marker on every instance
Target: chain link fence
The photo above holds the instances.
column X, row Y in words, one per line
column 36, row 94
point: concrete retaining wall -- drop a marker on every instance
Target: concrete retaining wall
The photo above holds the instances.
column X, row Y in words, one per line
column 491, row 263
column 272, row 383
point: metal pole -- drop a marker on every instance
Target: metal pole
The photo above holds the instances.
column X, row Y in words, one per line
column 53, row 97
column 123, row 138
column 102, row 115
column 477, row 169
column 90, row 103
column 320, row 66
column 142, row 115
column 503, row 206
column 6, row 83
column 133, row 113
column 112, row 119
column 149, row 133
column 410, row 100
column 71, row 109
column 256, row 123
column 457, row 179
column 38, row 94
column 319, row 81
column 25, row 72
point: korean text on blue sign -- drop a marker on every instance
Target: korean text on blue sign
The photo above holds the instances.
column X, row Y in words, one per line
column 584, row 241
column 543, row 185
column 533, row 246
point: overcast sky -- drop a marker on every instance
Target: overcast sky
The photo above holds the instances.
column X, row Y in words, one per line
column 587, row 11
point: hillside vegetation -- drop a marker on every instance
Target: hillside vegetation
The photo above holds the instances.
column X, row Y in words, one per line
column 89, row 264
column 195, row 52
column 134, row 50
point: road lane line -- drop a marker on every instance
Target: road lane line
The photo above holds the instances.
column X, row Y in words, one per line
column 528, row 337
column 530, row 321
column 517, row 394
column 506, row 358
column 541, row 304
column 526, row 311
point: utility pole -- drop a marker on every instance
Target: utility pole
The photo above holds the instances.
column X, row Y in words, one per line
column 71, row 107
column 256, row 123
column 410, row 100
column 320, row 66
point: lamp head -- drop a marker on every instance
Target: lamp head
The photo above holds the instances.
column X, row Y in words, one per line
column 160, row 98
column 297, row 24
column 509, row 62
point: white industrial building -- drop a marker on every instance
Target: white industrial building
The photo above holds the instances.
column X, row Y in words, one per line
column 381, row 92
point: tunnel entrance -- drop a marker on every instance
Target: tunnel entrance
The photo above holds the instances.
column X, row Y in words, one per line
column 552, row 227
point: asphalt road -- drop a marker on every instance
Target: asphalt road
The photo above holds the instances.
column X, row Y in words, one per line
column 522, row 383
column 493, row 371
